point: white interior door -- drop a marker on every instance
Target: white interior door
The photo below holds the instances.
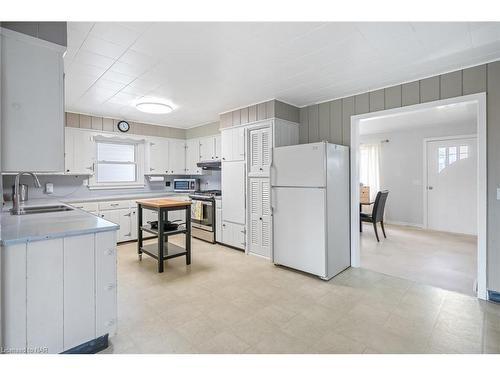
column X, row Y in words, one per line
column 452, row 185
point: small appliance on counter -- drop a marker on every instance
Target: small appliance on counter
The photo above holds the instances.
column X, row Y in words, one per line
column 203, row 214
column 186, row 185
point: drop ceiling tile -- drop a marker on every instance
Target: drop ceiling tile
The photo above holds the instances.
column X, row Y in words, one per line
column 103, row 47
column 93, row 59
column 108, row 84
column 76, row 36
column 123, row 99
column 138, row 59
column 78, row 69
column 127, row 69
column 118, row 77
column 84, row 27
column 115, row 33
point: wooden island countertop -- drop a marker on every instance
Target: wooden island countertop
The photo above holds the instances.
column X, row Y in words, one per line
column 163, row 202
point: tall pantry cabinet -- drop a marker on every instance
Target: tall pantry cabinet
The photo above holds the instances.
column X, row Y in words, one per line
column 246, row 187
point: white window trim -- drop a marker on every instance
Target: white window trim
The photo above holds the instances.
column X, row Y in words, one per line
column 140, row 160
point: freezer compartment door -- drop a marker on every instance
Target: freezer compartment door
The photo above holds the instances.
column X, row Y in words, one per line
column 299, row 165
column 299, row 229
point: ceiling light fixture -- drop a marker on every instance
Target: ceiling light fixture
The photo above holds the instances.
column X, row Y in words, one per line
column 154, row 107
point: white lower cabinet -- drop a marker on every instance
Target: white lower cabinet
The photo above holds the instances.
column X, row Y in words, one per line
column 79, row 287
column 233, row 234
column 59, row 293
column 45, row 295
column 106, row 283
column 218, row 220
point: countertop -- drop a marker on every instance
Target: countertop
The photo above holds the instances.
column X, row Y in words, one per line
column 130, row 196
column 43, row 226
column 164, row 202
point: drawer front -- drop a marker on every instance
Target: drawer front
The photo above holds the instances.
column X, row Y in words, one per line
column 113, row 205
column 106, row 283
column 86, row 206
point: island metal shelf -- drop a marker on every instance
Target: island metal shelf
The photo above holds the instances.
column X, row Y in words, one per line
column 163, row 250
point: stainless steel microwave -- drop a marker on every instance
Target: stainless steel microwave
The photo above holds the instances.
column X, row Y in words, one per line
column 186, row 185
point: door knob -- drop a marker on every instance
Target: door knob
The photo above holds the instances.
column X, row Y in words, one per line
column 260, row 218
column 430, row 187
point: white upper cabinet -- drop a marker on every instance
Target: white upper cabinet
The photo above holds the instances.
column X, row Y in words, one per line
column 233, row 144
column 80, row 151
column 32, row 102
column 218, row 147
column 210, row 148
column 158, row 156
column 192, row 156
column 207, row 149
column 177, row 156
column 259, row 150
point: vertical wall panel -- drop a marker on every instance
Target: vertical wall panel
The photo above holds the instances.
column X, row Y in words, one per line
column 236, row 117
column 347, row 112
column 377, row 100
column 261, row 111
column 85, row 122
column 362, row 103
column 493, row 108
column 451, row 84
column 304, row 125
column 410, row 93
column 226, row 120
column 313, row 123
column 429, row 89
column 270, row 109
column 107, row 124
column 244, row 115
column 324, row 121
column 252, row 113
column 72, row 120
column 474, row 80
column 393, row 97
column 336, row 121
column 286, row 111
column 96, row 123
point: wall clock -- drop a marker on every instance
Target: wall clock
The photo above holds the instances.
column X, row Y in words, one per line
column 123, row 126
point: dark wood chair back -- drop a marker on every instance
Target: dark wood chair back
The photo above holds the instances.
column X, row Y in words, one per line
column 379, row 206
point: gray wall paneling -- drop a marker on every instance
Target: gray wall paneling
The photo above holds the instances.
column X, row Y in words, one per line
column 451, row 85
column 324, row 122
column 493, row 109
column 393, row 97
column 377, row 100
column 314, row 123
column 483, row 78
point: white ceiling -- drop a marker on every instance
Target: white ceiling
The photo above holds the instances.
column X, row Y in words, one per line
column 204, row 69
column 459, row 113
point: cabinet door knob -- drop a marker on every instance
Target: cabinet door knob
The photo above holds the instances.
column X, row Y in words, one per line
column 260, row 218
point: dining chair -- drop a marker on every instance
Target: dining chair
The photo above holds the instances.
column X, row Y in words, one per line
column 377, row 215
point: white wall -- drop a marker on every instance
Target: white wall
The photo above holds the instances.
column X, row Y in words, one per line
column 401, row 168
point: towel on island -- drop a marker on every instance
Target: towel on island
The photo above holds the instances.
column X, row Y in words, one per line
column 197, row 210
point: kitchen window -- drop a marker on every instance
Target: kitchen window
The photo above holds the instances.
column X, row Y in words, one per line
column 118, row 164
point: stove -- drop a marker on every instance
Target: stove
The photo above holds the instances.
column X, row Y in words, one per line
column 203, row 194
column 203, row 214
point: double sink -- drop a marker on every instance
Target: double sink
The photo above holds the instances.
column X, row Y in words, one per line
column 41, row 209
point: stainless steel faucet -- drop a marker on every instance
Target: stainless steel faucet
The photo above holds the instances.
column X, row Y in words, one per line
column 16, row 210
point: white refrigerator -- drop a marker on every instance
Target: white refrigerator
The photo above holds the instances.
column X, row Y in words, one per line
column 310, row 206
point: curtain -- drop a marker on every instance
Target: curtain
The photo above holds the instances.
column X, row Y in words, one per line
column 369, row 173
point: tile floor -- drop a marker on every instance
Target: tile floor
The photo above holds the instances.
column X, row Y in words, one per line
column 227, row 302
column 445, row 260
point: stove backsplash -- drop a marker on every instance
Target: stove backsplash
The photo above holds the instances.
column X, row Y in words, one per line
column 74, row 187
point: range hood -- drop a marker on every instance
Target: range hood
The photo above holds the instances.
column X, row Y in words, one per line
column 210, row 165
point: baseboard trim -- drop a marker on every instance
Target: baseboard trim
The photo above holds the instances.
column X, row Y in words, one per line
column 404, row 223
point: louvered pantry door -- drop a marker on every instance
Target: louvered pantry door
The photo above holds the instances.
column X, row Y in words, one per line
column 260, row 151
column 260, row 217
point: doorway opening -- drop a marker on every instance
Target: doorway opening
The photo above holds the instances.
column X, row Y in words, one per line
column 419, row 172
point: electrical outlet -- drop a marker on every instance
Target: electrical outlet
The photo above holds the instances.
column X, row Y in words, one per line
column 49, row 188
